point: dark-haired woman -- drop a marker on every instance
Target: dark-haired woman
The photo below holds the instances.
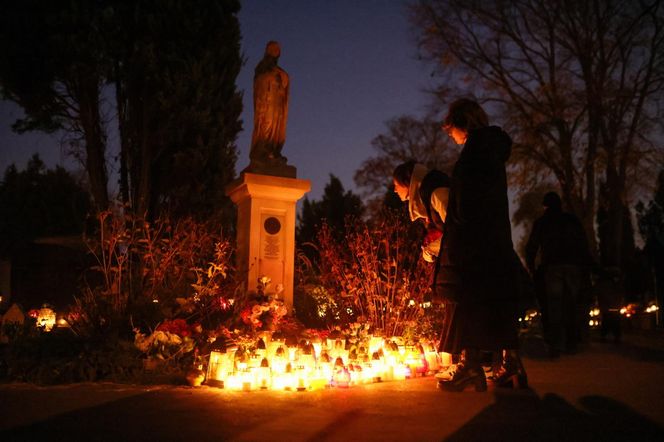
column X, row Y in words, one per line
column 476, row 270
column 427, row 193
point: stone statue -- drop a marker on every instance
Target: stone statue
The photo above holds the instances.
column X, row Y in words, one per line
column 271, row 84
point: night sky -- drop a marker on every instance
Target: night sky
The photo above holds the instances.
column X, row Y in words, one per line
column 352, row 66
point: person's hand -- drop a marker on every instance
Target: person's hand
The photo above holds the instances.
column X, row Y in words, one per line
column 433, row 234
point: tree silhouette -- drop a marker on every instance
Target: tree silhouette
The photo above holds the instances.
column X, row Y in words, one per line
column 336, row 207
column 163, row 71
column 579, row 85
column 407, row 138
column 39, row 202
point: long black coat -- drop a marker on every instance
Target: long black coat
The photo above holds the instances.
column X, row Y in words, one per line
column 477, row 267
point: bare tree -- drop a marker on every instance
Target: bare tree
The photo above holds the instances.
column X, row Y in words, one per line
column 407, row 138
column 579, row 85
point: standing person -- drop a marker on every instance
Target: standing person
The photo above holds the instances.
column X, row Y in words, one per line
column 565, row 262
column 476, row 270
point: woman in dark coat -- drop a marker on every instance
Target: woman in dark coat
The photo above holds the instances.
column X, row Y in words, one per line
column 476, row 271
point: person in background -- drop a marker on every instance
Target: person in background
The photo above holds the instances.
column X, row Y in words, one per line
column 476, row 269
column 609, row 292
column 565, row 261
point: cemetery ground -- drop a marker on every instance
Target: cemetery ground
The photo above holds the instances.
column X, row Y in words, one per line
column 604, row 392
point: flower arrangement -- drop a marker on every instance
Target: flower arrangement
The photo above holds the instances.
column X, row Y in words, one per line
column 171, row 340
column 264, row 315
column 262, row 311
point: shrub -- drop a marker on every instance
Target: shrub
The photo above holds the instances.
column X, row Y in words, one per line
column 375, row 276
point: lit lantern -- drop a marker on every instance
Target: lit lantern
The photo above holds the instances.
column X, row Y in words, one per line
column 46, row 318
column 338, row 348
column 326, row 367
column 216, row 369
column 416, row 360
column 375, row 344
column 264, row 377
column 401, row 372
column 317, row 346
column 302, row 379
column 292, row 353
column 377, row 366
column 246, row 378
column 306, row 360
column 341, row 376
column 261, row 349
column 243, row 373
column 273, row 346
column 356, row 374
column 289, row 377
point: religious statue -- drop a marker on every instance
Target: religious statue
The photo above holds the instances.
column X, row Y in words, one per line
column 271, row 85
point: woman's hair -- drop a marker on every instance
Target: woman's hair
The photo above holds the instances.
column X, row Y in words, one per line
column 403, row 173
column 466, row 114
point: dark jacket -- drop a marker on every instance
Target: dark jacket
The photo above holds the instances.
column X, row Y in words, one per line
column 477, row 267
column 560, row 239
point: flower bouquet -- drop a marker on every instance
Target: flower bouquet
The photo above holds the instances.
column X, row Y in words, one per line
column 171, row 341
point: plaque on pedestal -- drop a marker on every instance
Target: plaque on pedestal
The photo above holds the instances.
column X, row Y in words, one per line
column 266, row 229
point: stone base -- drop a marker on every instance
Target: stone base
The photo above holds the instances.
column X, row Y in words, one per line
column 271, row 169
column 266, row 230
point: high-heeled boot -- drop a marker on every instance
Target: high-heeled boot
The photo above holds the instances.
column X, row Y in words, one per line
column 511, row 374
column 469, row 372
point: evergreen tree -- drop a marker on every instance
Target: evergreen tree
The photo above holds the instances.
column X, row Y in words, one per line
column 178, row 106
column 38, row 202
column 336, row 207
column 172, row 65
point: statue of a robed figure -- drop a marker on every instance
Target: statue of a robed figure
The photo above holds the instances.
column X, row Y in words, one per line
column 271, row 85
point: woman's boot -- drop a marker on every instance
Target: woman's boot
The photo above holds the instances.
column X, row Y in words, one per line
column 511, row 374
column 469, row 372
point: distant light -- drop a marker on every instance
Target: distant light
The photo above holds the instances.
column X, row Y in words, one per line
column 156, row 301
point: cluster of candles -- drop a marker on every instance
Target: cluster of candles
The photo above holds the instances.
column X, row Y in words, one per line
column 315, row 365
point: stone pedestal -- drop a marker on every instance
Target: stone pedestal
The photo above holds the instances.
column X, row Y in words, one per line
column 266, row 229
